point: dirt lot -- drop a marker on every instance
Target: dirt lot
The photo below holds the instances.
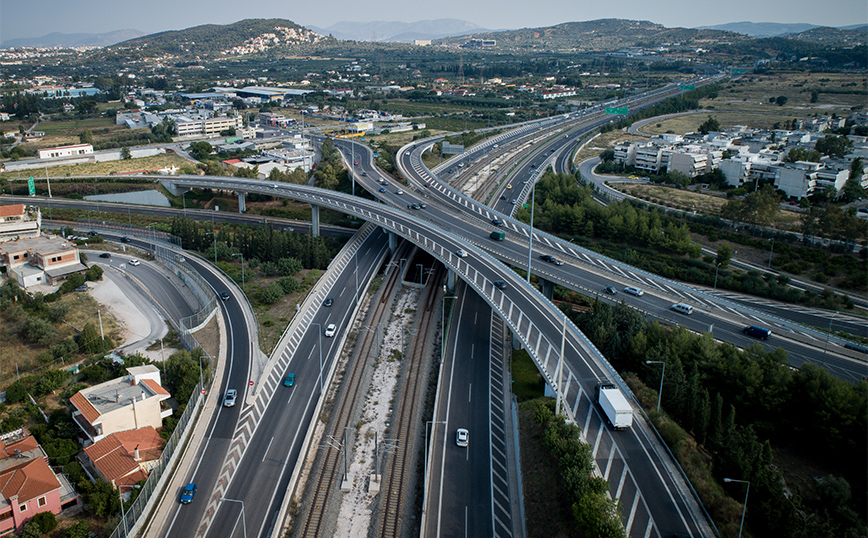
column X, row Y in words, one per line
column 111, row 167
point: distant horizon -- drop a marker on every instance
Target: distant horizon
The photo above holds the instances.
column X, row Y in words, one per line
column 105, row 16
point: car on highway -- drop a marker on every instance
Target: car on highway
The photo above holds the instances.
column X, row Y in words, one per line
column 382, row 189
column 188, row 493
column 399, row 192
column 383, row 182
column 330, row 330
column 289, row 381
column 229, row 399
column 328, row 302
column 497, row 222
column 512, row 201
column 503, row 197
column 125, row 239
column 364, row 174
column 356, row 163
column 450, row 170
column 461, row 253
column 422, row 205
column 134, row 262
column 508, row 187
column 414, row 206
column 105, row 255
column 500, row 284
column 224, row 295
column 682, row 308
column 634, row 291
column 757, row 332
column 551, row 259
column 611, row 290
column 462, row 437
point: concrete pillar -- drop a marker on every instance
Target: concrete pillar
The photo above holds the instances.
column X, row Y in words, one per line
column 314, row 220
column 516, row 342
column 450, row 281
column 547, row 287
column 393, row 242
column 242, row 207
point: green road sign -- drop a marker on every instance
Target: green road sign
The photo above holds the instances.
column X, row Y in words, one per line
column 31, row 187
column 687, row 86
column 738, row 71
column 622, row 110
column 525, row 206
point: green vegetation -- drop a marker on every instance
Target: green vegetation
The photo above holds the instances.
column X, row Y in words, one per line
column 807, row 411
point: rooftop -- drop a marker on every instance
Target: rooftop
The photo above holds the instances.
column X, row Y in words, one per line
column 112, row 395
column 43, row 245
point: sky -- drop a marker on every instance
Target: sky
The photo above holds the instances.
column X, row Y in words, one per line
column 35, row 18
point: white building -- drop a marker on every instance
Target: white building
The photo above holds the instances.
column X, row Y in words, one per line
column 66, row 151
column 207, row 126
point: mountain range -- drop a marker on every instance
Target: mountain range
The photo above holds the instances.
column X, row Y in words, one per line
column 398, row 32
column 57, row 39
column 773, row 29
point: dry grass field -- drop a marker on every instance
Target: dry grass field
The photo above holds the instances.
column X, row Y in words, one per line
column 106, row 168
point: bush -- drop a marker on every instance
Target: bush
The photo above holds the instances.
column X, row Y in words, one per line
column 46, row 521
column 15, row 392
column 94, row 273
column 288, row 283
column 273, row 293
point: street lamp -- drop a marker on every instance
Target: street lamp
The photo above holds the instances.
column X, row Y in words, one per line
column 663, row 373
column 320, row 356
column 121, row 499
column 421, row 267
column 744, row 509
column 716, row 269
column 772, row 253
column 425, row 487
column 829, row 334
column 530, row 230
column 443, row 323
column 243, row 519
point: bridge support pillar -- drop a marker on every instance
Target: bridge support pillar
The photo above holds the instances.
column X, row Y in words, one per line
column 314, row 220
column 450, row 281
column 393, row 242
column 516, row 342
column 174, row 189
column 547, row 287
column 242, row 199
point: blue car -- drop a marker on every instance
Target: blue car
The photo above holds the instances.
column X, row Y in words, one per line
column 289, row 381
column 187, row 494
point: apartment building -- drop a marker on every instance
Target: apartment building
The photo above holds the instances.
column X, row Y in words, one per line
column 188, row 126
column 127, row 403
column 40, row 260
column 16, row 222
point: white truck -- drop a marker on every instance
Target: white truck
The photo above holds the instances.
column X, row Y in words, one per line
column 617, row 409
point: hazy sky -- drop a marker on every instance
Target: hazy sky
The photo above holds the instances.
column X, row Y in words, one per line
column 34, row 18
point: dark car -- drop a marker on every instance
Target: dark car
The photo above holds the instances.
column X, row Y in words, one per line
column 105, row 255
column 125, row 239
column 224, row 295
column 503, row 197
column 382, row 189
column 497, row 222
column 188, row 493
column 500, row 284
column 547, row 258
column 328, row 302
column 757, row 332
column 611, row 290
column 364, row 174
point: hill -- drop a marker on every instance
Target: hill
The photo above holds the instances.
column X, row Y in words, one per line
column 400, row 32
column 249, row 36
column 836, row 37
column 600, row 35
column 57, row 39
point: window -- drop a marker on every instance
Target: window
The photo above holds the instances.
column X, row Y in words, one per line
column 5, row 515
column 22, row 507
column 41, row 502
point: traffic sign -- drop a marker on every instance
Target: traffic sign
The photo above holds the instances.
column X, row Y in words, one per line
column 31, row 187
column 687, row 86
column 203, row 391
column 620, row 110
column 250, row 383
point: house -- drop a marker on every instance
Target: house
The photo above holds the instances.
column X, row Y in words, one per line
column 27, row 483
column 127, row 403
column 66, row 151
column 40, row 260
column 124, row 458
column 18, row 223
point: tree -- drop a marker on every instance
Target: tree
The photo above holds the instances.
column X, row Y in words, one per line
column 724, row 254
column 125, row 154
column 781, row 100
column 709, row 125
column 32, row 530
column 86, row 137
column 853, row 187
column 834, row 146
column 46, row 521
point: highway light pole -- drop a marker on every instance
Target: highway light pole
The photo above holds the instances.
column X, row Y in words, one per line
column 663, row 373
column 716, row 269
column 530, row 231
column 121, row 499
column 425, row 487
column 421, row 267
column 772, row 253
column 320, row 356
column 829, row 334
column 443, row 324
column 744, row 509
column 242, row 268
column 243, row 519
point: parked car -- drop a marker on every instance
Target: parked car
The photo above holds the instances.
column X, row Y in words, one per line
column 634, row 291
column 330, row 330
column 229, row 399
column 462, row 437
column 188, row 493
column 289, row 381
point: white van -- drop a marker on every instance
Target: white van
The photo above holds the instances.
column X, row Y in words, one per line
column 683, row 308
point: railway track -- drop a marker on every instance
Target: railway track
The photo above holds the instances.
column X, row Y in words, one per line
column 330, row 469
column 397, row 476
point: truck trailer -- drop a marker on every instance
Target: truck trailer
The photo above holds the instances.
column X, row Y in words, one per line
column 615, row 406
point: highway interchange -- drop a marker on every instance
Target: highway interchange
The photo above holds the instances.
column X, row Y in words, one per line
column 655, row 498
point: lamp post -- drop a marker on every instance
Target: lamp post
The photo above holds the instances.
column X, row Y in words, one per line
column 829, row 334
column 663, row 373
column 772, row 252
column 421, row 267
column 243, row 519
column 443, row 323
column 425, row 487
column 121, row 499
column 716, row 269
column 530, row 230
column 744, row 508
column 320, row 356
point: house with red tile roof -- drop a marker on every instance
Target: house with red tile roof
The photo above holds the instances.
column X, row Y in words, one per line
column 27, row 484
column 127, row 403
column 124, row 458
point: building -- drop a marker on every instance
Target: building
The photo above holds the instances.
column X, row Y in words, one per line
column 187, row 126
column 27, row 483
column 124, row 458
column 66, row 151
column 18, row 223
column 40, row 260
column 127, row 403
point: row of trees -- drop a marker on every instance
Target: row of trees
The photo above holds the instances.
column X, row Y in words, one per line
column 736, row 401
